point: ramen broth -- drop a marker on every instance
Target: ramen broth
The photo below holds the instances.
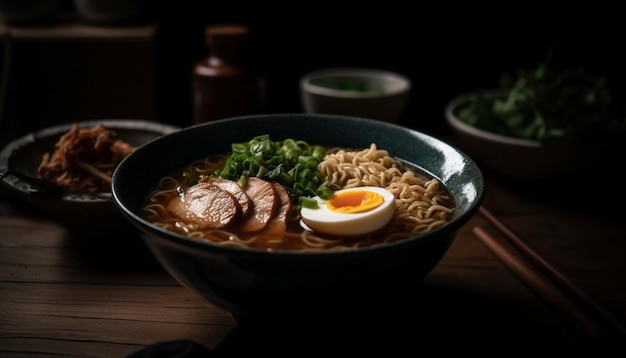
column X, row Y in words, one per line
column 422, row 204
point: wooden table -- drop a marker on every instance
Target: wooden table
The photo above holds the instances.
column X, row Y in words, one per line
column 68, row 296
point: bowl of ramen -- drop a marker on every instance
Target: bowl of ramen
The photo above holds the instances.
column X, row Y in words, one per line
column 64, row 171
column 288, row 214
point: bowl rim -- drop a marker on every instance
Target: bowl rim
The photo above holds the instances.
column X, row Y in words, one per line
column 466, row 129
column 401, row 83
column 181, row 240
column 16, row 185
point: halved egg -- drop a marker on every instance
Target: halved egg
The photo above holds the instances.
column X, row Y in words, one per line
column 353, row 211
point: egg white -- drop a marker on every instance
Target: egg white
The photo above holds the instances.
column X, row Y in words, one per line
column 324, row 220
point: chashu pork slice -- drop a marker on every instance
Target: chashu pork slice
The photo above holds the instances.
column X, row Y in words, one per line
column 234, row 188
column 277, row 226
column 264, row 204
column 208, row 206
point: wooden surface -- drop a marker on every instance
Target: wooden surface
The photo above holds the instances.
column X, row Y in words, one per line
column 67, row 296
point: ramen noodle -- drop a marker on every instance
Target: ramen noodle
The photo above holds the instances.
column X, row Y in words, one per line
column 422, row 203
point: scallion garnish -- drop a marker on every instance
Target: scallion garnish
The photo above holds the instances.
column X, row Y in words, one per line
column 292, row 163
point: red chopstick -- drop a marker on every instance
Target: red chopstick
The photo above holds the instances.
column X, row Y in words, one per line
column 574, row 292
column 554, row 297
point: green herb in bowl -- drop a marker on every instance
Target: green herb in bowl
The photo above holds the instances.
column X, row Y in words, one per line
column 544, row 104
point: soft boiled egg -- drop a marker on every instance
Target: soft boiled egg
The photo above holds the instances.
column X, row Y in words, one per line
column 353, row 211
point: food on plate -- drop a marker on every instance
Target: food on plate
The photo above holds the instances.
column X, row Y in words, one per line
column 299, row 197
column 84, row 160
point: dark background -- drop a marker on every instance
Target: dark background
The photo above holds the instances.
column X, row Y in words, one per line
column 446, row 49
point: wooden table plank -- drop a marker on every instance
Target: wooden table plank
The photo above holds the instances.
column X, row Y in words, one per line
column 70, row 296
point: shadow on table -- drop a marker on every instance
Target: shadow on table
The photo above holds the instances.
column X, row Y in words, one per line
column 432, row 325
column 120, row 253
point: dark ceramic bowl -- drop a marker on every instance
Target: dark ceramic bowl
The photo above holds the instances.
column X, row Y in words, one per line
column 91, row 215
column 251, row 283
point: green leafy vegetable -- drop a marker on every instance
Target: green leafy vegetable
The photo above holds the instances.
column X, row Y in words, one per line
column 546, row 104
column 292, row 163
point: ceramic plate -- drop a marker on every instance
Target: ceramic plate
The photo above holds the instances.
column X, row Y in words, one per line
column 76, row 210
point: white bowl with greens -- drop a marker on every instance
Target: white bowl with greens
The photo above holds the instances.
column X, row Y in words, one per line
column 358, row 92
column 543, row 125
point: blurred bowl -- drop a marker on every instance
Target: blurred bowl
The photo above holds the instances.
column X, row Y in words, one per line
column 251, row 283
column 524, row 159
column 359, row 92
column 87, row 214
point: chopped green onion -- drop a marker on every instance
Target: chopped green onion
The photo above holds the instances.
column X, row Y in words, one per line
column 305, row 202
column 292, row 163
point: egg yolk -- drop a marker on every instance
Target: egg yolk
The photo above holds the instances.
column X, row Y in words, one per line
column 356, row 201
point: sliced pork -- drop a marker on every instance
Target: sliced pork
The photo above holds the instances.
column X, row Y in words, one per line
column 234, row 188
column 277, row 226
column 206, row 205
column 265, row 202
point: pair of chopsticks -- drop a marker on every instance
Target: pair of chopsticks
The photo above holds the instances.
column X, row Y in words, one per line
column 570, row 301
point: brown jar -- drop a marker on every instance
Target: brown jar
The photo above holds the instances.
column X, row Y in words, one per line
column 223, row 86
